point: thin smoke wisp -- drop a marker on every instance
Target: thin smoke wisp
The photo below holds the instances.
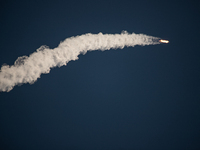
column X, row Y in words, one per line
column 27, row 69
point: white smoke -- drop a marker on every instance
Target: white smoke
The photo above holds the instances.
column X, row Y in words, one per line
column 28, row 69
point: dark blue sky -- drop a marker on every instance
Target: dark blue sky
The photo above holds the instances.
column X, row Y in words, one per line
column 135, row 98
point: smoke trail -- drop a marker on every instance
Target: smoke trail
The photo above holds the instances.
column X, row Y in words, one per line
column 28, row 69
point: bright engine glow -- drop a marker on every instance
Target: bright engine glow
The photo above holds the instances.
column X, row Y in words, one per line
column 163, row 41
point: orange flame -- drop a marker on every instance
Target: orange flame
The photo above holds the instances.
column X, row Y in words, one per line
column 163, row 41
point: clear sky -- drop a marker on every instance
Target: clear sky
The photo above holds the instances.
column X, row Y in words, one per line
column 142, row 97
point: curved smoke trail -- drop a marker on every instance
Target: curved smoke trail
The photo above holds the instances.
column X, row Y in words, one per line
column 28, row 69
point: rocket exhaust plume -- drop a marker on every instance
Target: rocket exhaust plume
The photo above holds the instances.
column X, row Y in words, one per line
column 28, row 69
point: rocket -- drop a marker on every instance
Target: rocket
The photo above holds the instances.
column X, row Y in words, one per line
column 163, row 41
